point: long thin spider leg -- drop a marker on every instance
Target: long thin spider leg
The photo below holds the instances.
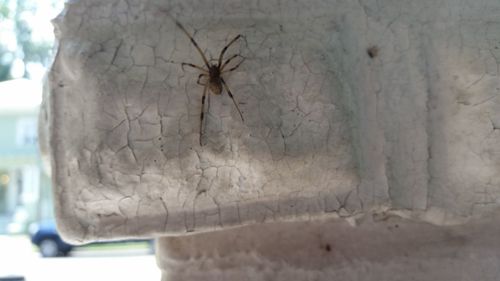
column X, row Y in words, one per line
column 193, row 66
column 199, row 78
column 225, row 48
column 231, row 96
column 202, row 114
column 208, row 103
column 234, row 67
column 229, row 60
column 194, row 43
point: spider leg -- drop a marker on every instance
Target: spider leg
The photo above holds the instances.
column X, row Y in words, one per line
column 193, row 66
column 202, row 115
column 231, row 96
column 227, row 46
column 229, row 60
column 234, row 67
column 194, row 43
column 199, row 78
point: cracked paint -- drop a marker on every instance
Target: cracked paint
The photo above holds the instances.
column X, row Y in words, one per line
column 328, row 128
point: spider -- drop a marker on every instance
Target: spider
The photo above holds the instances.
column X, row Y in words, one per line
column 215, row 83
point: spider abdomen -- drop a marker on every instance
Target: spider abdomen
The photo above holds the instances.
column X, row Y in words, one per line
column 214, row 81
column 215, row 87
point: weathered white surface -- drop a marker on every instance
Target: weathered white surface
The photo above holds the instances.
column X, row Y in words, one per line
column 390, row 249
column 328, row 129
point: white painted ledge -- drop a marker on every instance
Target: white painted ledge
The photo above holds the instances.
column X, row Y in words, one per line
column 390, row 249
column 329, row 130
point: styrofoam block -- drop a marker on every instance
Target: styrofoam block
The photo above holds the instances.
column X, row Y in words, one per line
column 348, row 106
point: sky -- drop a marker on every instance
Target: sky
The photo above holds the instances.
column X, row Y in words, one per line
column 25, row 94
column 20, row 95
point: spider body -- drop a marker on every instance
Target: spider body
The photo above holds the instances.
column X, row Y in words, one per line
column 214, row 80
column 212, row 73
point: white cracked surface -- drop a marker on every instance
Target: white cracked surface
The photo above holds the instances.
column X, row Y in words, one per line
column 328, row 129
column 381, row 248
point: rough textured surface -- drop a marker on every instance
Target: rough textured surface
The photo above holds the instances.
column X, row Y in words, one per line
column 350, row 106
column 381, row 248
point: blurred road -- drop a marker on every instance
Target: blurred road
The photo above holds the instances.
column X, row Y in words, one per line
column 19, row 257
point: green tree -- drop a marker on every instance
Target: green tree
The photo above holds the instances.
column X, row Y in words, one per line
column 16, row 28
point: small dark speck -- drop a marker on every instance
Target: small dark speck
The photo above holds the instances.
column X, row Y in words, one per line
column 396, row 226
column 328, row 248
column 159, row 138
column 372, row 51
column 281, row 28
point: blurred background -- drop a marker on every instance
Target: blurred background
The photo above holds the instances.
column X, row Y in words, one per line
column 30, row 247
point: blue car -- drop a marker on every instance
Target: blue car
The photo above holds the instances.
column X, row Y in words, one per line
column 44, row 235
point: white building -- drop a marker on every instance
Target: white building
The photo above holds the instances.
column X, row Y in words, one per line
column 22, row 181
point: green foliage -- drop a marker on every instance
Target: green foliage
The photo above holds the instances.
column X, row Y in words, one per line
column 4, row 10
column 4, row 71
column 13, row 14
